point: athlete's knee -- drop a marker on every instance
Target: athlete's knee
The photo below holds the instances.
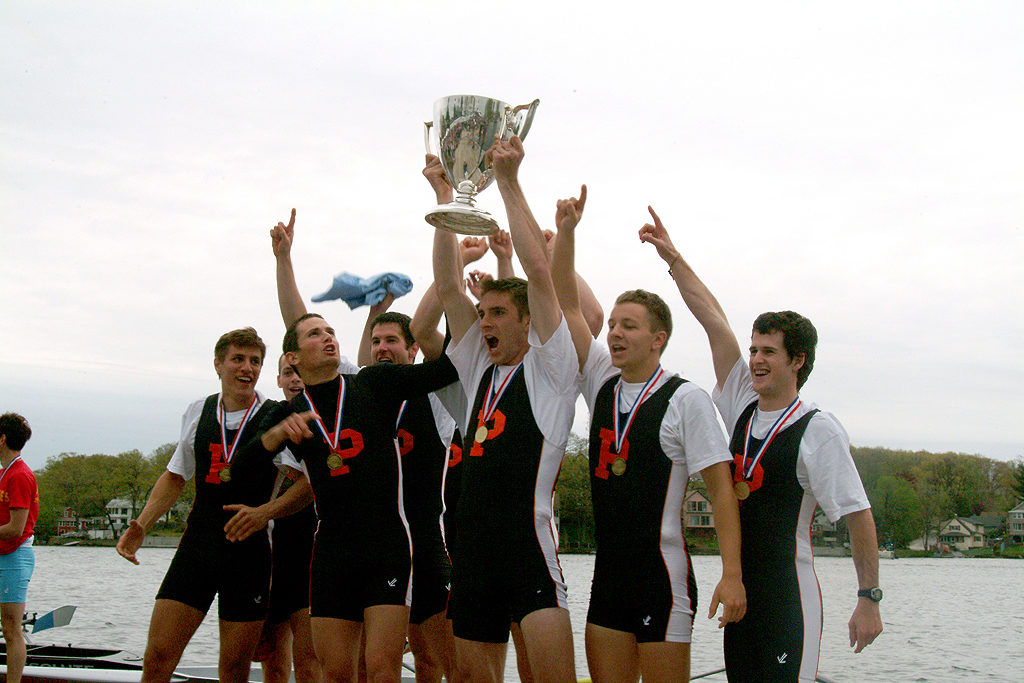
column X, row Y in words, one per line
column 381, row 669
column 276, row 671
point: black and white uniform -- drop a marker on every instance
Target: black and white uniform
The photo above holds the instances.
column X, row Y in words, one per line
column 292, row 545
column 643, row 580
column 506, row 561
column 291, row 542
column 206, row 563
column 808, row 464
column 424, row 434
column 362, row 554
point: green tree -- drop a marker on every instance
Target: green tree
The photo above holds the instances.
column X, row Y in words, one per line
column 897, row 510
column 575, row 510
column 1017, row 481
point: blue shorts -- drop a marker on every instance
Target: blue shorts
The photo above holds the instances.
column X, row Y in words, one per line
column 15, row 571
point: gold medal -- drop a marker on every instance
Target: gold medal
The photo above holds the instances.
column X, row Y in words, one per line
column 481, row 434
column 618, row 466
column 225, row 474
column 334, row 461
column 742, row 490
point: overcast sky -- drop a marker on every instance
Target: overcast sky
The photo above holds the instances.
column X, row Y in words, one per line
column 861, row 164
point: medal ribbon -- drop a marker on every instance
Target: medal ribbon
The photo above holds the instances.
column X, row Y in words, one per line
column 769, row 437
column 491, row 398
column 332, row 439
column 8, row 468
column 230, row 448
column 620, row 433
column 401, row 412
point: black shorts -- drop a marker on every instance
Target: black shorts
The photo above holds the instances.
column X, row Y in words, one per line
column 345, row 580
column 640, row 596
column 771, row 641
column 431, row 585
column 488, row 597
column 292, row 554
column 238, row 573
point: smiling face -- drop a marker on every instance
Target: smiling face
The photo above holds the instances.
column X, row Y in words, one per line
column 387, row 345
column 289, row 380
column 773, row 371
column 635, row 348
column 505, row 331
column 239, row 370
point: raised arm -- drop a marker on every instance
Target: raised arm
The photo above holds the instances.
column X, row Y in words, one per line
column 364, row 357
column 563, row 269
column 866, row 622
column 288, row 297
column 592, row 311
column 725, row 350
column 165, row 492
column 545, row 314
column 447, row 266
column 501, row 245
column 428, row 313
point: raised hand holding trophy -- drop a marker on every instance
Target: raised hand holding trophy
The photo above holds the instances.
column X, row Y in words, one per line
column 463, row 129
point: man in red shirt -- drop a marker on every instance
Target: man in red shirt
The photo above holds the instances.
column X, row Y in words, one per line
column 19, row 508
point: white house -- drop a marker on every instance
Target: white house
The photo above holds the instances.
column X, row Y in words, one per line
column 697, row 511
column 119, row 512
column 962, row 533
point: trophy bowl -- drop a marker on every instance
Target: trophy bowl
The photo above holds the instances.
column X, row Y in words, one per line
column 463, row 129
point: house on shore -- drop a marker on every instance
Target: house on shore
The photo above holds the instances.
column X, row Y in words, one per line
column 1015, row 523
column 961, row 533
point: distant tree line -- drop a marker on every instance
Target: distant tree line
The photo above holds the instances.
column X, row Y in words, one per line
column 911, row 493
column 86, row 483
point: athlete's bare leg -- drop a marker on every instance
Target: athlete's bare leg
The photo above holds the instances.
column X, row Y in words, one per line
column 170, row 628
column 522, row 661
column 548, row 637
column 276, row 647
column 307, row 667
column 237, row 643
column 664, row 662
column 433, row 648
column 11, row 614
column 480, row 662
column 336, row 642
column 385, row 642
column 611, row 655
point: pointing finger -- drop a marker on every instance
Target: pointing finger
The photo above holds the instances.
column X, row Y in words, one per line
column 657, row 221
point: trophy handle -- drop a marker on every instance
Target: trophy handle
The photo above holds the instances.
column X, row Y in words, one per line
column 528, row 120
column 427, row 126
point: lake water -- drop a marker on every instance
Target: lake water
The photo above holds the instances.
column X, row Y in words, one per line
column 945, row 619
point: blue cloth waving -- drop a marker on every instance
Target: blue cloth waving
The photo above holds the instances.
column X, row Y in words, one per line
column 357, row 291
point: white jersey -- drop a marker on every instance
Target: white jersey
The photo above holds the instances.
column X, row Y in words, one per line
column 690, row 434
column 825, row 467
column 183, row 461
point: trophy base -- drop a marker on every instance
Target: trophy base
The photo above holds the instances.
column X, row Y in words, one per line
column 462, row 219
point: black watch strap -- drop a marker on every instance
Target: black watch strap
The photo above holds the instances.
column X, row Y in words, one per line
column 872, row 594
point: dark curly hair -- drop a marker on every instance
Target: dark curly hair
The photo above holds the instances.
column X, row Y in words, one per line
column 798, row 336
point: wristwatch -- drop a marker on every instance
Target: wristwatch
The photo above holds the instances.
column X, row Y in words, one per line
column 872, row 594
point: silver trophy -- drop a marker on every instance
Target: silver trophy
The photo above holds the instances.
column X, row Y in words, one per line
column 462, row 131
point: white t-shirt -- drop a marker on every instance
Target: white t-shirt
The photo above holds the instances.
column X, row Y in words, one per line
column 824, row 465
column 183, row 461
column 549, row 370
column 690, row 434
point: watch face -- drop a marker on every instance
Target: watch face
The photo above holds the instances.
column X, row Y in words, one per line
column 873, row 594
